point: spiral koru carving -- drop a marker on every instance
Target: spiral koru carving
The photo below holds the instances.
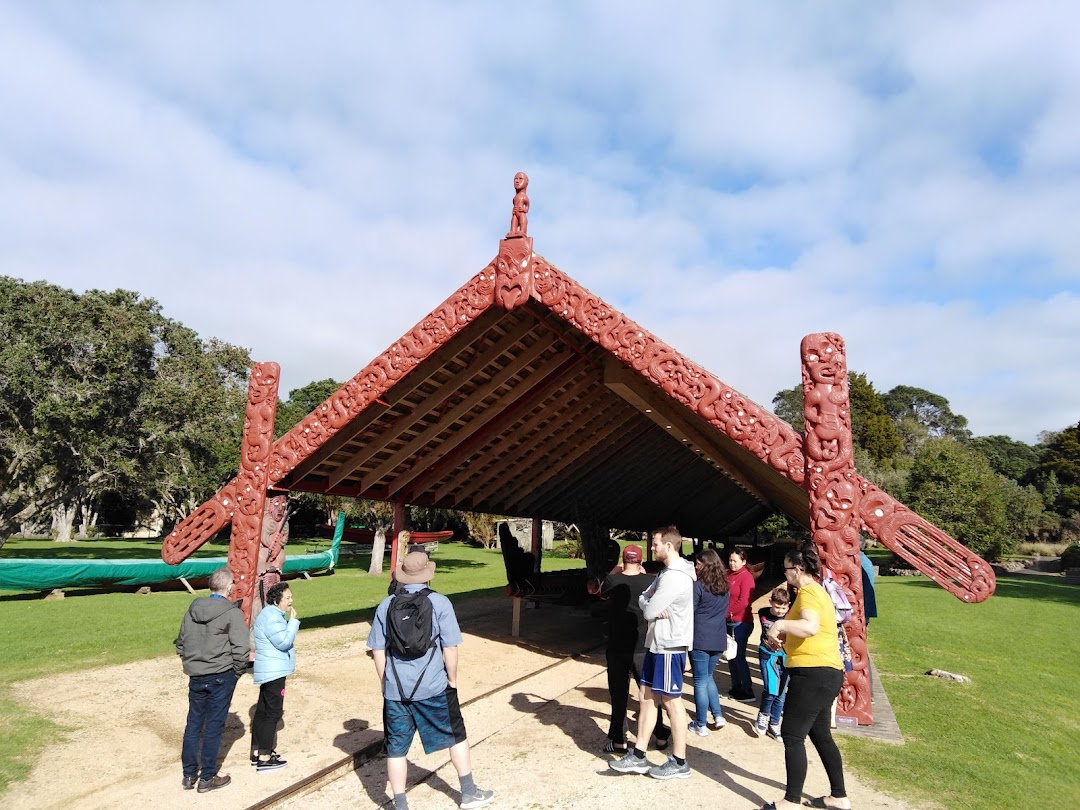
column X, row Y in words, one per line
column 834, row 494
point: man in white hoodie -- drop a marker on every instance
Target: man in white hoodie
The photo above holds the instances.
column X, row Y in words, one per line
column 668, row 607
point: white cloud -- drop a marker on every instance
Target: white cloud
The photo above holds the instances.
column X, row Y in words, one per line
column 309, row 182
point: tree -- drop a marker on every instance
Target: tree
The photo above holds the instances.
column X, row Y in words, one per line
column 871, row 428
column 1058, row 470
column 955, row 488
column 788, row 405
column 929, row 410
column 191, row 417
column 1007, row 456
column 97, row 392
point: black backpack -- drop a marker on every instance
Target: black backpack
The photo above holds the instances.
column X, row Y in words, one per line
column 409, row 624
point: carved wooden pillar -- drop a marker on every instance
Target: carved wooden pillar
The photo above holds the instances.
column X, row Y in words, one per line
column 834, row 494
column 401, row 523
column 251, row 483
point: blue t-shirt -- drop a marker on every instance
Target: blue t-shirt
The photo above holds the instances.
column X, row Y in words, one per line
column 445, row 631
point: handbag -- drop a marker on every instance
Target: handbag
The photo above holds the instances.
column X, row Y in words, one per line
column 731, row 649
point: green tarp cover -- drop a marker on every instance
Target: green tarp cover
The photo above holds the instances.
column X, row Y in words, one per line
column 21, row 574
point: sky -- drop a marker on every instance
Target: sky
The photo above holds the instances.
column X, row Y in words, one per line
column 308, row 181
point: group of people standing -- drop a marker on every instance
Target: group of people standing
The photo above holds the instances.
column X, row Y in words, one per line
column 214, row 645
column 657, row 626
column 686, row 615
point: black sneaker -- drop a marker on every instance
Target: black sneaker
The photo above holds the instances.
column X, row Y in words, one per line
column 272, row 763
column 189, row 782
column 219, row 781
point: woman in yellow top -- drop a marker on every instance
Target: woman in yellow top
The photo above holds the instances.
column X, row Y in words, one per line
column 815, row 674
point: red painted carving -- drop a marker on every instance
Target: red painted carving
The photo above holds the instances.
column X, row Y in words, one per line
column 345, row 404
column 834, row 498
column 951, row 565
column 513, row 276
column 251, row 483
column 772, row 440
column 273, row 536
column 200, row 525
column 519, row 218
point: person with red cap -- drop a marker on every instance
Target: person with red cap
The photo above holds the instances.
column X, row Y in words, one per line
column 625, row 645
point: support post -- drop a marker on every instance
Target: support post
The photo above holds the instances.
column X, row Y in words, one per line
column 537, row 545
column 400, row 525
column 515, row 622
column 251, row 483
column 834, row 493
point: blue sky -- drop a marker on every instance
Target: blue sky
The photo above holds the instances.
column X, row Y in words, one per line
column 308, row 181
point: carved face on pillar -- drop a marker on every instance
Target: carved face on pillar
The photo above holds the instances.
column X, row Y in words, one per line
column 277, row 506
column 824, row 361
column 521, row 180
column 838, row 504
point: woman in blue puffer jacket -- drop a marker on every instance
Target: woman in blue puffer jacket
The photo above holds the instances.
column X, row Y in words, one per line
column 275, row 660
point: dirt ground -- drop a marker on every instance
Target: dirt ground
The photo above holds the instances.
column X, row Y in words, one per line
column 536, row 742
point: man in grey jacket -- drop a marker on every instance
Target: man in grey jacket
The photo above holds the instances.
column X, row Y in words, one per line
column 668, row 607
column 214, row 646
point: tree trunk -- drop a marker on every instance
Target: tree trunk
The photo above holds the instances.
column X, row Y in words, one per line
column 63, row 520
column 377, row 549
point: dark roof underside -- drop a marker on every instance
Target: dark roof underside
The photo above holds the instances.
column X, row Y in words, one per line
column 522, row 415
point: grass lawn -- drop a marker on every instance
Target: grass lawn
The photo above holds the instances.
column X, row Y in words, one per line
column 1006, row 740
column 1009, row 738
column 92, row 628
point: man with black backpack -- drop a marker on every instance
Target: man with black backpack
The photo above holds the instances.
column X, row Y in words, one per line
column 414, row 640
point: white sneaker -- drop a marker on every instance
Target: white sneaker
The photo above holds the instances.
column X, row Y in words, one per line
column 700, row 730
column 774, row 731
column 761, row 725
column 718, row 723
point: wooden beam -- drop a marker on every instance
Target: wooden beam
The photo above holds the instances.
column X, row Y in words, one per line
column 522, row 454
column 511, row 414
column 447, row 419
column 673, row 416
column 602, row 458
column 552, row 368
column 551, row 451
column 583, row 447
column 481, row 360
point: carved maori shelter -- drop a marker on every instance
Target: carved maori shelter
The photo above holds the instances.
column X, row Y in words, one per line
column 525, row 394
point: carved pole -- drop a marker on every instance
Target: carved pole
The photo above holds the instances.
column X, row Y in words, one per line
column 251, row 483
column 833, row 488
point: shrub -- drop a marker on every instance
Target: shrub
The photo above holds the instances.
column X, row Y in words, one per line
column 1070, row 558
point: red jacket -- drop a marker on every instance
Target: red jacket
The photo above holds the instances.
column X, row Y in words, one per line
column 742, row 594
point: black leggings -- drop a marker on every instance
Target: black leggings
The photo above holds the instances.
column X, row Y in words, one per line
column 811, row 691
column 620, row 666
column 268, row 711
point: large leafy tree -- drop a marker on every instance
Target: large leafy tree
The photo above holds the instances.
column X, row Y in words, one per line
column 920, row 414
column 191, row 417
column 871, row 428
column 96, row 393
column 955, row 488
column 1058, row 470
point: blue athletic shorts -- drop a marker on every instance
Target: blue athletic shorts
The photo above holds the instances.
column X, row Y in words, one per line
column 438, row 719
column 663, row 672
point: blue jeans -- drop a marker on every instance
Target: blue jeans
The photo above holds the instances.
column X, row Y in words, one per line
column 706, row 695
column 209, row 697
column 737, row 666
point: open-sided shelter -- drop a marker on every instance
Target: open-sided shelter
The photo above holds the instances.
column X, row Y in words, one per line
column 525, row 394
